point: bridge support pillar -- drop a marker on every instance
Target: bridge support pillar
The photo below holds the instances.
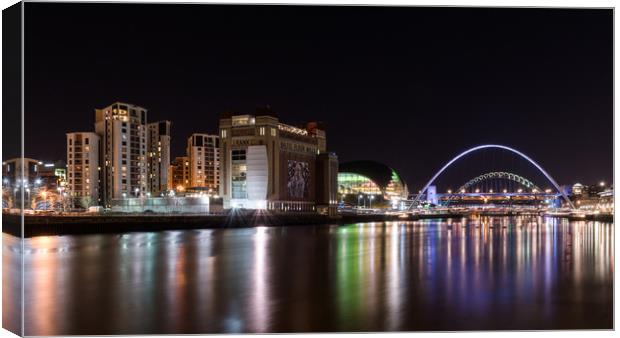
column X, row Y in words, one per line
column 431, row 195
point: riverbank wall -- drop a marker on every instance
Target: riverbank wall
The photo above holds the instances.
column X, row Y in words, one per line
column 47, row 225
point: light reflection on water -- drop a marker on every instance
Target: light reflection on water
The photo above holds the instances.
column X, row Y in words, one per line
column 457, row 274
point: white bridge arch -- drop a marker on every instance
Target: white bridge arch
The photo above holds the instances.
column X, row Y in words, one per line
column 498, row 146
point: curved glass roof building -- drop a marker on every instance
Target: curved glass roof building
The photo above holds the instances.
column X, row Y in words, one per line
column 370, row 178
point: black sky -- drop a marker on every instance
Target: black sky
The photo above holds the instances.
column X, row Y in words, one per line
column 409, row 87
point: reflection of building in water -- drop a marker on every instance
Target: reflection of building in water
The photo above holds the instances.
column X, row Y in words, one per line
column 370, row 178
column 268, row 164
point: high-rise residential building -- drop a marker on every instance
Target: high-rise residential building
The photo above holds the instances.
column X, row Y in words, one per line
column 158, row 156
column 83, row 168
column 203, row 151
column 178, row 175
column 122, row 130
column 267, row 164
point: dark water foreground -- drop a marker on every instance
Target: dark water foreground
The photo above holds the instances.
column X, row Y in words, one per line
column 488, row 273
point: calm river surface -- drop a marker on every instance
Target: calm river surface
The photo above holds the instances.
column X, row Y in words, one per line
column 469, row 274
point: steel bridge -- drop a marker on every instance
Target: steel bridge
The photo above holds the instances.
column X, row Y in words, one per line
column 527, row 189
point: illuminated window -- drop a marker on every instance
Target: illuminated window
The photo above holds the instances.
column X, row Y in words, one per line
column 261, row 131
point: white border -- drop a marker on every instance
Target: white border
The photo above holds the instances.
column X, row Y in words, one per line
column 498, row 3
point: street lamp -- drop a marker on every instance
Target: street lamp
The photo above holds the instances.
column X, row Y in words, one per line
column 358, row 200
column 372, row 197
column 137, row 190
column 602, row 184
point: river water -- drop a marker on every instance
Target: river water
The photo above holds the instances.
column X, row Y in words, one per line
column 461, row 274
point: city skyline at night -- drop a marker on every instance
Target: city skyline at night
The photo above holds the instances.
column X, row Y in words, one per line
column 188, row 168
column 420, row 88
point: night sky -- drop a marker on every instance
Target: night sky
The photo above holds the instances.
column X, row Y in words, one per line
column 409, row 87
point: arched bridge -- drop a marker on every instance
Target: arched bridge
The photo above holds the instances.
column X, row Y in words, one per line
column 494, row 146
column 499, row 175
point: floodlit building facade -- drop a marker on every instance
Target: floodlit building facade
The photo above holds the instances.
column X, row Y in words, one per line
column 14, row 174
column 18, row 178
column 158, row 157
column 83, row 168
column 122, row 130
column 266, row 164
column 203, row 152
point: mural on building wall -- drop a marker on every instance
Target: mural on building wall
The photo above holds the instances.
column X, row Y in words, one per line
column 298, row 179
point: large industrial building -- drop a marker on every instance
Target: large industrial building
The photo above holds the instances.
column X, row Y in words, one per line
column 364, row 183
column 266, row 164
